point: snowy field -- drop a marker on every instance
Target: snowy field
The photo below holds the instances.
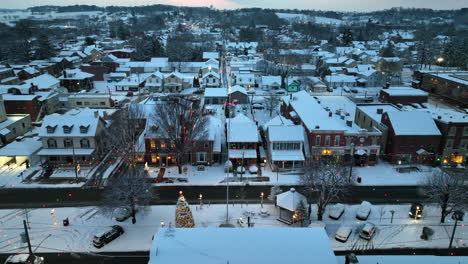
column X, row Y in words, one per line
column 87, row 221
column 386, row 174
column 215, row 175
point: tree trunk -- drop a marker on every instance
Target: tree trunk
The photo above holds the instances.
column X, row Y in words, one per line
column 320, row 213
column 443, row 215
column 133, row 213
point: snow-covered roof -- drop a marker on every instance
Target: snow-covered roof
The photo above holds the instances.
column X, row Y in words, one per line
column 270, row 80
column 413, row 123
column 75, row 74
column 25, row 147
column 242, row 153
column 210, row 55
column 234, row 246
column 215, row 92
column 340, row 78
column 287, row 155
column 75, row 119
column 214, row 74
column 286, row 133
column 372, row 110
column 44, row 81
column 238, row 88
column 278, row 120
column 242, row 129
column 404, row 91
column 290, row 200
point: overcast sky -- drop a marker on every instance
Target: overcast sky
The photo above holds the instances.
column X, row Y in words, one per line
column 339, row 5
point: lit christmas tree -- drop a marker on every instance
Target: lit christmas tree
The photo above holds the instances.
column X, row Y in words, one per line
column 184, row 216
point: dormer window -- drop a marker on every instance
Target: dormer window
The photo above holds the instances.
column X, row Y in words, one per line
column 51, row 129
column 67, row 129
column 84, row 129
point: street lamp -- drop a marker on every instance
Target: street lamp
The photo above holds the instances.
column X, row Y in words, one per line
column 200, row 197
column 457, row 216
column 261, row 197
column 162, row 224
column 228, row 167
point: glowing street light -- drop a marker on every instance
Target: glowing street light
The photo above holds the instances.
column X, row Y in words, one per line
column 261, row 196
column 200, row 197
column 440, row 60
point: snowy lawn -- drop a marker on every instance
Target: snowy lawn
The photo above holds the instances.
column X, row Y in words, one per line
column 386, row 174
column 86, row 221
column 215, row 175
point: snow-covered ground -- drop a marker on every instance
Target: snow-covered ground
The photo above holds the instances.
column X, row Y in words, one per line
column 87, row 221
column 215, row 175
column 386, row 174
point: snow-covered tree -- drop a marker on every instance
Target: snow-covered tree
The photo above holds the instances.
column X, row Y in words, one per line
column 183, row 215
column 275, row 190
column 130, row 190
column 325, row 182
column 271, row 103
column 447, row 191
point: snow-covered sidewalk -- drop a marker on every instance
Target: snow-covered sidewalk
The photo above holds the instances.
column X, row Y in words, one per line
column 87, row 221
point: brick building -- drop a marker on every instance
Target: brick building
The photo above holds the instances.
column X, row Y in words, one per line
column 450, row 85
column 402, row 95
column 413, row 137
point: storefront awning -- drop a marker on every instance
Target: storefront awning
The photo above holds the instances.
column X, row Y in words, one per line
column 65, row 152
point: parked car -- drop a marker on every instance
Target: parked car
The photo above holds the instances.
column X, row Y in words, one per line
column 122, row 214
column 24, row 259
column 258, row 106
column 129, row 94
column 416, row 210
column 336, row 211
column 364, row 210
column 343, row 233
column 346, row 89
column 368, row 231
column 354, row 90
column 281, row 92
column 106, row 236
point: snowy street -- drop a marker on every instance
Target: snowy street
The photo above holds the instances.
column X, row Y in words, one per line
column 49, row 235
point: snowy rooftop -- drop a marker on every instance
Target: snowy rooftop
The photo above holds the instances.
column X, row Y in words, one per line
column 44, row 81
column 404, row 91
column 270, row 80
column 242, row 129
column 25, row 147
column 278, row 121
column 371, row 110
column 75, row 74
column 241, row 245
column 75, row 119
column 286, row 133
column 337, row 78
column 215, row 92
column 413, row 123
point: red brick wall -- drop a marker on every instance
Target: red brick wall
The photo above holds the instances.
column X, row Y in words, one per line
column 23, row 107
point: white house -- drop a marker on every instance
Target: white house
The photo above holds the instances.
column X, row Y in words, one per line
column 210, row 80
column 246, row 80
column 340, row 80
column 285, row 146
column 271, row 82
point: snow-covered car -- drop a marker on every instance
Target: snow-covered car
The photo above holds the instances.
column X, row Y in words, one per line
column 368, row 231
column 253, row 169
column 346, row 89
column 364, row 210
column 251, row 92
column 121, row 214
column 343, row 233
column 336, row 211
column 258, row 106
column 24, row 259
column 354, row 90
column 106, row 236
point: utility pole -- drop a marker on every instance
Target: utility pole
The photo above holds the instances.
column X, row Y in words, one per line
column 74, row 160
column 351, row 163
column 242, row 167
column 27, row 239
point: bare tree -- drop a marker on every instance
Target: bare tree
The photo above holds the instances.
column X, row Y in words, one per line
column 130, row 190
column 328, row 181
column 182, row 123
column 122, row 137
column 447, row 191
column 271, row 103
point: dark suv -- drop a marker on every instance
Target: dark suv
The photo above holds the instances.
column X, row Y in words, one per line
column 107, row 236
